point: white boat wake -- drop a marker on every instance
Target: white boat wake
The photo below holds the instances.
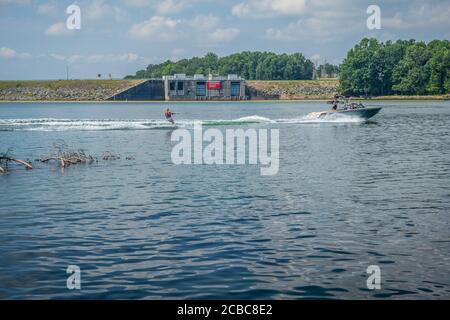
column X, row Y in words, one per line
column 51, row 124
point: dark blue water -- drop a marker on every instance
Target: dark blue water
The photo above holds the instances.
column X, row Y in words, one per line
column 348, row 194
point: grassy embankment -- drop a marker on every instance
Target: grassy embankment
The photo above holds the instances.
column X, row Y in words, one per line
column 55, row 84
column 296, row 89
column 70, row 90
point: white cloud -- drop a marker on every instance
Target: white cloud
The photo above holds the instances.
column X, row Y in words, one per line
column 315, row 30
column 419, row 15
column 171, row 6
column 8, row 53
column 202, row 30
column 205, row 30
column 20, row 2
column 97, row 14
column 155, row 28
column 223, row 35
column 58, row 56
column 178, row 51
column 288, row 7
column 333, row 21
column 137, row 3
column 321, row 22
column 163, row 7
column 99, row 10
column 74, row 58
column 205, row 22
column 279, row 34
column 100, row 58
column 58, row 29
column 25, row 55
column 49, row 9
column 241, row 9
column 264, row 8
column 177, row 54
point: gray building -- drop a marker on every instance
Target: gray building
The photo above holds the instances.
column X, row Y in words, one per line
column 200, row 87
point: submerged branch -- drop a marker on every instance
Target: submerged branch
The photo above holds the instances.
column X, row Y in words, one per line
column 62, row 155
column 66, row 157
column 108, row 155
column 6, row 159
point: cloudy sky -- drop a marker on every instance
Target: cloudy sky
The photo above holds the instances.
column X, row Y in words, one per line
column 122, row 36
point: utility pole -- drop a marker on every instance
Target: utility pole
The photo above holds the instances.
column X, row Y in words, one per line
column 67, row 71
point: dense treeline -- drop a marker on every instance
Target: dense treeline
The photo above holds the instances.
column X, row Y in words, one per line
column 250, row 65
column 374, row 68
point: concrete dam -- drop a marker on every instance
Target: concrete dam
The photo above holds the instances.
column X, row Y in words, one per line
column 180, row 87
column 225, row 88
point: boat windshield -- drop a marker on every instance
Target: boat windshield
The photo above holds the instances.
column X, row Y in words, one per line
column 344, row 103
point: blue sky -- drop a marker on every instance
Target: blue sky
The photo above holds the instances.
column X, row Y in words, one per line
column 122, row 36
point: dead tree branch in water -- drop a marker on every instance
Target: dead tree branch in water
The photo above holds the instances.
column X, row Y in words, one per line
column 108, row 155
column 67, row 157
column 6, row 157
column 24, row 163
column 61, row 154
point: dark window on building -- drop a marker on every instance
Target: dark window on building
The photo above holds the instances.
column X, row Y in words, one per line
column 180, row 86
column 200, row 89
column 235, row 89
column 172, row 86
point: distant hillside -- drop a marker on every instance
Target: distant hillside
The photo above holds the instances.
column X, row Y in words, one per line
column 63, row 89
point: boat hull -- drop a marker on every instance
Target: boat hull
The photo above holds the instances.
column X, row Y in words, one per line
column 364, row 113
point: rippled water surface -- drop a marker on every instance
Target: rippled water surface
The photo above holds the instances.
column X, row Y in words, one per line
column 348, row 194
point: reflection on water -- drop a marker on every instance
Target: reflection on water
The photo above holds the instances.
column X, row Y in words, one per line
column 348, row 195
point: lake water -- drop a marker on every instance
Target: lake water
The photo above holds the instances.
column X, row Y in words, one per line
column 348, row 195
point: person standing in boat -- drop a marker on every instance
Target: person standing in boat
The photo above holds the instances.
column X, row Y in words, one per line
column 168, row 114
column 335, row 105
column 337, row 96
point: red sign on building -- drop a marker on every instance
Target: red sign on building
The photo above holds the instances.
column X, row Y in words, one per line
column 213, row 85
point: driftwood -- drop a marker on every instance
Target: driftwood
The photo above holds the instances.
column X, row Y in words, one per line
column 79, row 157
column 61, row 155
column 66, row 159
column 6, row 159
column 108, row 155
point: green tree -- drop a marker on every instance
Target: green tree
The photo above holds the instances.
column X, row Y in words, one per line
column 361, row 72
column 412, row 73
column 403, row 67
column 439, row 67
